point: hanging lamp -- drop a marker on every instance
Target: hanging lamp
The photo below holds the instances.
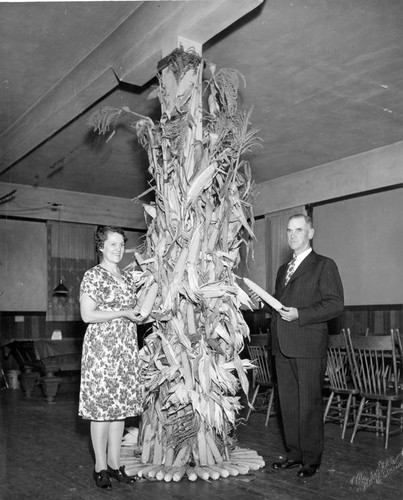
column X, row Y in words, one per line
column 60, row 290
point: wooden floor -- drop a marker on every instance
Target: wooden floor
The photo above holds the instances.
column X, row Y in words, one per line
column 45, row 454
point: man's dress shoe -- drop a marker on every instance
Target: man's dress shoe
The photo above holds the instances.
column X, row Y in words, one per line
column 308, row 471
column 287, row 464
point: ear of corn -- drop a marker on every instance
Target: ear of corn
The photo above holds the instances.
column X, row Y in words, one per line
column 269, row 299
column 191, row 474
column 149, row 299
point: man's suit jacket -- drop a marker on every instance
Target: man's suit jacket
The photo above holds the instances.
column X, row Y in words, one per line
column 316, row 290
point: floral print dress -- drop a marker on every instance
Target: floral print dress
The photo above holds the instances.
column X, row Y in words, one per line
column 110, row 373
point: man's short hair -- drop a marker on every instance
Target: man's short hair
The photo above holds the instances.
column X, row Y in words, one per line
column 307, row 219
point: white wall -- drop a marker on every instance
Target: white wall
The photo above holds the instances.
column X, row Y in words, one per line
column 380, row 168
column 364, row 236
column 23, row 266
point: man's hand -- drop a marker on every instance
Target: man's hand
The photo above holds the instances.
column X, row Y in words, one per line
column 289, row 313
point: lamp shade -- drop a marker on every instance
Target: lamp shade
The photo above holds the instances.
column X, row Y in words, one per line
column 60, row 290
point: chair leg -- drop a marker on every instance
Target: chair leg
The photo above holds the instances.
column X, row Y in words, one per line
column 329, row 402
column 254, row 378
column 357, row 420
column 340, row 408
column 269, row 407
column 388, row 418
column 253, row 401
column 346, row 415
column 379, row 421
column 354, row 404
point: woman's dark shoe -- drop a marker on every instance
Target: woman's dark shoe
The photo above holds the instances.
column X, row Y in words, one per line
column 102, row 479
column 120, row 475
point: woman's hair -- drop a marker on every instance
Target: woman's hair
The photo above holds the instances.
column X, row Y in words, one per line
column 102, row 234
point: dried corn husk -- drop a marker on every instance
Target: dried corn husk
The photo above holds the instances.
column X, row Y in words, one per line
column 199, row 220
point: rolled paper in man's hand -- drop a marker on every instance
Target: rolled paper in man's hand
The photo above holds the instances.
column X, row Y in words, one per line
column 266, row 297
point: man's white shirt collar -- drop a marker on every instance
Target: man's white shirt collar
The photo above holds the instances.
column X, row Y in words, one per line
column 302, row 256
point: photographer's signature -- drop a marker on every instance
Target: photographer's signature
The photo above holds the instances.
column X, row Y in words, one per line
column 385, row 468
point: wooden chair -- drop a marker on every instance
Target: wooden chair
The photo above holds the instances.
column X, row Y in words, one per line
column 260, row 357
column 399, row 349
column 399, row 362
column 342, row 382
column 3, row 380
column 398, row 340
column 376, row 369
column 257, row 339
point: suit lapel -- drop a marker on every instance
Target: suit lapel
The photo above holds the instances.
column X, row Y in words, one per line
column 282, row 277
column 304, row 266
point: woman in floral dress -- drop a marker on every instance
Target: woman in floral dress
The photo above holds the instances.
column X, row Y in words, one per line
column 110, row 374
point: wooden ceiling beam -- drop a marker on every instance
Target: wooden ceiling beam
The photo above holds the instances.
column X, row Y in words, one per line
column 194, row 22
column 130, row 53
column 38, row 203
column 50, row 115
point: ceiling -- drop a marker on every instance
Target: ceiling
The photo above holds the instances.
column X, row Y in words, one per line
column 324, row 78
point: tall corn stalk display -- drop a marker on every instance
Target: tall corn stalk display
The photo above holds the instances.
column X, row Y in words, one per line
column 200, row 218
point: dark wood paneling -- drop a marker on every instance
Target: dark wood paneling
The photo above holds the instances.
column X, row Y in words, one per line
column 377, row 319
column 258, row 320
column 34, row 326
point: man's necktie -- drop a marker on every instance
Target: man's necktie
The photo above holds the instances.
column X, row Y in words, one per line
column 290, row 270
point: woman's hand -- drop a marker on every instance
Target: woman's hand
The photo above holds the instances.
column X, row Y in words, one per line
column 134, row 315
column 91, row 314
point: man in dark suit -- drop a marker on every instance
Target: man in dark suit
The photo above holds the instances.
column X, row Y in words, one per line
column 311, row 293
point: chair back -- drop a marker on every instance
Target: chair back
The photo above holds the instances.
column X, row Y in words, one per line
column 374, row 359
column 259, row 339
column 259, row 355
column 339, row 367
column 399, row 355
column 398, row 340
